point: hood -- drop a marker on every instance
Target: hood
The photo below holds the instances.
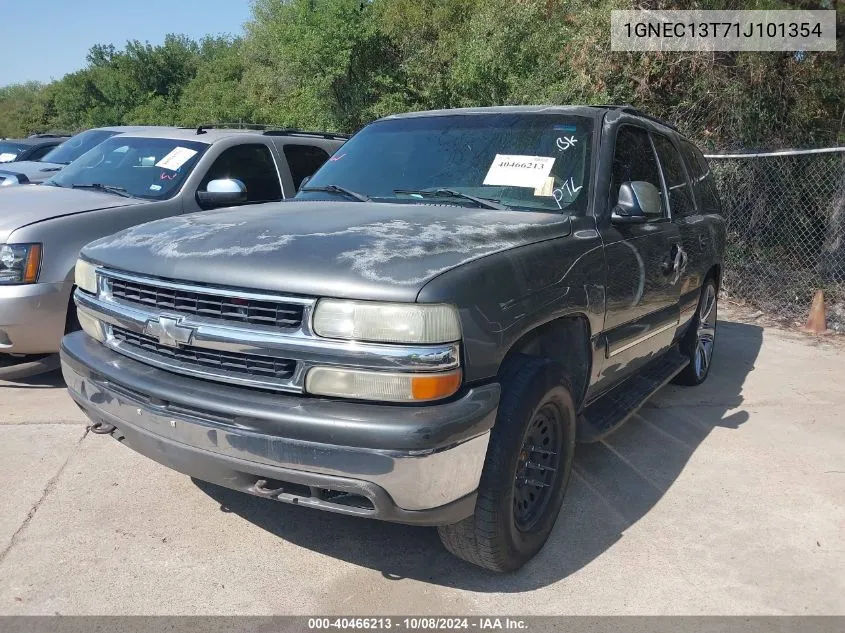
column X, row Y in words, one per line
column 31, row 170
column 339, row 249
column 20, row 206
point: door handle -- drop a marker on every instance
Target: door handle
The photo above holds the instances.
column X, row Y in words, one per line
column 675, row 262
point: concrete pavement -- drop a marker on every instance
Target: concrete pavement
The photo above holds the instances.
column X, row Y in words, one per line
column 724, row 499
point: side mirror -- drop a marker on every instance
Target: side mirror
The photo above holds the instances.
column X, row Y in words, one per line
column 639, row 201
column 222, row 193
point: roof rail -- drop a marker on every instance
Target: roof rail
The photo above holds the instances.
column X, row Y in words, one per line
column 229, row 126
column 293, row 132
column 48, row 135
column 629, row 109
column 268, row 130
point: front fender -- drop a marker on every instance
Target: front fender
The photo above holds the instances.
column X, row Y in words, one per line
column 504, row 296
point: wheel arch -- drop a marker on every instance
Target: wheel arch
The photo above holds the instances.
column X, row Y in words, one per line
column 566, row 341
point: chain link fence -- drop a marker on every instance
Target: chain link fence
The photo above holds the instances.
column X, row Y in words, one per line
column 785, row 215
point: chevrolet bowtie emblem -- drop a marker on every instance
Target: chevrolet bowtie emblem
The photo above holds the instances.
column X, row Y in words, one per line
column 168, row 331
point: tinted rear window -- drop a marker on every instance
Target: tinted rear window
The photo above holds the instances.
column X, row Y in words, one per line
column 703, row 183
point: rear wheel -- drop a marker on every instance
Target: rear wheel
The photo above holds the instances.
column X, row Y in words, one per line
column 529, row 461
column 699, row 341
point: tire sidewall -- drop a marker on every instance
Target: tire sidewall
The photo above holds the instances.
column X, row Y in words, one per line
column 692, row 337
column 540, row 382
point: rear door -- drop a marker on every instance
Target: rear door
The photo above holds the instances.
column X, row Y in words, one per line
column 686, row 183
column 303, row 160
column 642, row 288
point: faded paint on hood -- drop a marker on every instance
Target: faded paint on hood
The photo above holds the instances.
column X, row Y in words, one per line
column 341, row 249
column 27, row 204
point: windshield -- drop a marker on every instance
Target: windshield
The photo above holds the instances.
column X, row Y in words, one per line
column 9, row 151
column 152, row 168
column 529, row 161
column 76, row 146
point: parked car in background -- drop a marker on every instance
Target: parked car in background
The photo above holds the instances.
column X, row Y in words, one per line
column 35, row 169
column 125, row 180
column 28, row 149
column 425, row 331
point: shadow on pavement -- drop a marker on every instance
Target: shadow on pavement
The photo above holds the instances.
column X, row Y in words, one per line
column 51, row 379
column 616, row 482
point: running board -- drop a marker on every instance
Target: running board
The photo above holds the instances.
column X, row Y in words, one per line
column 611, row 410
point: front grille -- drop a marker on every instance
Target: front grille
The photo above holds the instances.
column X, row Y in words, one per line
column 208, row 304
column 250, row 365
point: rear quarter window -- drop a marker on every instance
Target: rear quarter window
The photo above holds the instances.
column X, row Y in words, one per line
column 303, row 161
column 703, row 183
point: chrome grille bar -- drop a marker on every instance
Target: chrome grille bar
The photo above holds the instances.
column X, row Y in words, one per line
column 251, row 308
column 234, row 352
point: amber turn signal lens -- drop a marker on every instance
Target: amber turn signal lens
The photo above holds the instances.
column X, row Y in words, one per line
column 435, row 386
column 381, row 385
column 33, row 262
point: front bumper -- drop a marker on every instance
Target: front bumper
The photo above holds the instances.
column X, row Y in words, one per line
column 32, row 318
column 398, row 463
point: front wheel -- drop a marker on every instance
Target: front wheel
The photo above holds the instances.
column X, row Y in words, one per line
column 700, row 338
column 527, row 469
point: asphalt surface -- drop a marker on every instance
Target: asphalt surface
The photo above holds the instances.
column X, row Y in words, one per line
column 724, row 499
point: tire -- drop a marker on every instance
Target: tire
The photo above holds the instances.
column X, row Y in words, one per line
column 700, row 339
column 513, row 519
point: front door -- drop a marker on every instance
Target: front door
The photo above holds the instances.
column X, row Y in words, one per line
column 642, row 290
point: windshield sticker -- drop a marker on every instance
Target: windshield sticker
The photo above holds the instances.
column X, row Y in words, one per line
column 513, row 170
column 547, row 188
column 565, row 142
column 155, row 187
column 176, row 158
column 5, row 157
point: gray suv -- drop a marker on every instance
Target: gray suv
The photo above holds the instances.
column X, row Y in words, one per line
column 424, row 333
column 126, row 180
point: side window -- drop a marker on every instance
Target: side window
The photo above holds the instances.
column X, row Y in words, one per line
column 702, row 179
column 251, row 164
column 633, row 160
column 680, row 196
column 709, row 194
column 41, row 151
column 303, row 161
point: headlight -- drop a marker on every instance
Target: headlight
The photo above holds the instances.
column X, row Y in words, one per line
column 377, row 385
column 19, row 263
column 85, row 275
column 387, row 322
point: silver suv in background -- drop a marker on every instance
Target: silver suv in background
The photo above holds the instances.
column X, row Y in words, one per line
column 35, row 169
column 126, row 180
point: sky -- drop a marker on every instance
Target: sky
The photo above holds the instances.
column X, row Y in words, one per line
column 46, row 39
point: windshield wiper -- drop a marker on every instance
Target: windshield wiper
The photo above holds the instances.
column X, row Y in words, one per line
column 341, row 190
column 486, row 203
column 107, row 188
